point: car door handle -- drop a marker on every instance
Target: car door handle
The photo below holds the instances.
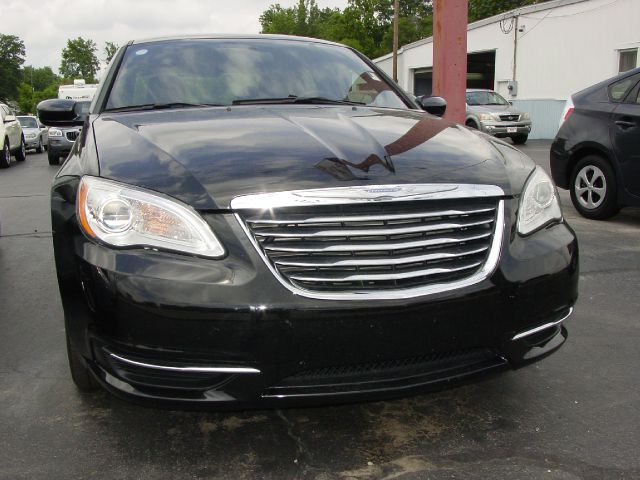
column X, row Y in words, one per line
column 624, row 124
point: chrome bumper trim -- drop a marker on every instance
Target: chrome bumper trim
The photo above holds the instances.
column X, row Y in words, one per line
column 186, row 369
column 540, row 328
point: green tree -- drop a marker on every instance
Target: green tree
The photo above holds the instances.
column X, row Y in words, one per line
column 110, row 50
column 39, row 78
column 365, row 25
column 79, row 60
column 11, row 59
column 479, row 9
column 37, row 84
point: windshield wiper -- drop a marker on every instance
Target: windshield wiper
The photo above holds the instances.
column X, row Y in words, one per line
column 293, row 99
column 161, row 106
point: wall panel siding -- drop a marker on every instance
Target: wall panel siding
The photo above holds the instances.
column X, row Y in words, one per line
column 545, row 116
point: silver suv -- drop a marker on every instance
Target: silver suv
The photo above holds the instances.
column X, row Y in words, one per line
column 11, row 137
column 489, row 112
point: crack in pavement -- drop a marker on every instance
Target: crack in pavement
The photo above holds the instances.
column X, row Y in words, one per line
column 44, row 234
column 25, row 196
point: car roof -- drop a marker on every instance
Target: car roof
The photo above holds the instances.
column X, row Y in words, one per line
column 217, row 36
column 603, row 86
column 26, row 116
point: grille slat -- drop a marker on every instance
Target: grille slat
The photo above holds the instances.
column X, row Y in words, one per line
column 357, row 262
column 72, row 135
column 510, row 118
column 337, row 277
column 369, row 231
column 366, row 247
column 303, row 219
column 325, row 247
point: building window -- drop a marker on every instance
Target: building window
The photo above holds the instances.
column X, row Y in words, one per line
column 628, row 60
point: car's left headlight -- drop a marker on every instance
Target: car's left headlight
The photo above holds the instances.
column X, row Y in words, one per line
column 121, row 215
column 525, row 116
column 55, row 132
column 485, row 117
column 539, row 203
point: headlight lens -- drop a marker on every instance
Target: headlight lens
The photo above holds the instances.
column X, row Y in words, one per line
column 30, row 135
column 539, row 203
column 483, row 117
column 525, row 116
column 55, row 132
column 125, row 216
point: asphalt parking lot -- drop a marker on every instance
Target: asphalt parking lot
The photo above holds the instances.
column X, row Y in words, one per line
column 575, row 415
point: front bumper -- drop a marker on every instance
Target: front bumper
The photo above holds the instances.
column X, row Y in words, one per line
column 30, row 143
column 178, row 330
column 60, row 145
column 506, row 129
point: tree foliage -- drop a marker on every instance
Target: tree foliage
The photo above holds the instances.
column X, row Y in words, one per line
column 37, row 84
column 479, row 9
column 110, row 50
column 79, row 60
column 364, row 24
column 11, row 59
column 367, row 25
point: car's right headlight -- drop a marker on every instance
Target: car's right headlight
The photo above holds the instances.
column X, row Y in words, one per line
column 539, row 203
column 121, row 215
column 485, row 117
column 55, row 132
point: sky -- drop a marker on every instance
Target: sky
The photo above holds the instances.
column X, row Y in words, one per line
column 45, row 25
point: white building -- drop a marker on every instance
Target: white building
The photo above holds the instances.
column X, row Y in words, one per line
column 562, row 47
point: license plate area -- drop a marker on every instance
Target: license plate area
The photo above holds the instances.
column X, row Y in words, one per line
column 512, row 129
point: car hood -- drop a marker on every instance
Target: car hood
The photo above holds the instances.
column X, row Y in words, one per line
column 26, row 130
column 495, row 109
column 206, row 157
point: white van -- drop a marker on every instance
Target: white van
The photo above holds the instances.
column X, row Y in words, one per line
column 79, row 91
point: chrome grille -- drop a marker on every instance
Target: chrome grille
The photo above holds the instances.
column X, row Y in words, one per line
column 374, row 247
column 72, row 135
column 510, row 118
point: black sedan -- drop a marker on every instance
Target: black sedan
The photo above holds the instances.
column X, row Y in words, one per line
column 596, row 153
column 270, row 220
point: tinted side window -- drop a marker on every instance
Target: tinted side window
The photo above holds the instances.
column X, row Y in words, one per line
column 619, row 89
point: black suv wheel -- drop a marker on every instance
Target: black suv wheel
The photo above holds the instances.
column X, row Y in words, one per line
column 54, row 158
column 520, row 139
column 5, row 158
column 21, row 154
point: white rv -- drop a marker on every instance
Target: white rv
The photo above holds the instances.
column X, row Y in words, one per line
column 79, row 91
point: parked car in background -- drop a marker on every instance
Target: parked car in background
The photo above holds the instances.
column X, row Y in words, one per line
column 269, row 220
column 11, row 137
column 35, row 135
column 596, row 153
column 61, row 139
column 489, row 112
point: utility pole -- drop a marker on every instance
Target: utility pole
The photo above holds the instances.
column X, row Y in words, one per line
column 396, row 13
column 515, row 48
column 450, row 55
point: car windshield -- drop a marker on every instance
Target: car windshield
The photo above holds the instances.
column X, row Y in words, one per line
column 28, row 122
column 485, row 98
column 223, row 72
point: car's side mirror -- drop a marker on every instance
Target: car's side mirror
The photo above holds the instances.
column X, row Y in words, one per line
column 510, row 102
column 9, row 118
column 61, row 113
column 434, row 105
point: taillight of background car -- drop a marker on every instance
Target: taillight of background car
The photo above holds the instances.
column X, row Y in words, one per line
column 568, row 110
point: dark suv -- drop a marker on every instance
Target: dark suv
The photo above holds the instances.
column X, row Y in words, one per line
column 596, row 153
column 61, row 139
column 268, row 220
